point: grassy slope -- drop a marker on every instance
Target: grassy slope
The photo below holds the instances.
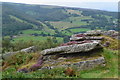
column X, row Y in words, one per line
column 31, row 31
column 20, row 20
column 79, row 30
column 45, row 28
column 109, row 71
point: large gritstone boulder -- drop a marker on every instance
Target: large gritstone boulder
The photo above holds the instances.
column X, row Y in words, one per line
column 29, row 49
column 85, row 47
column 94, row 32
column 26, row 50
column 80, row 65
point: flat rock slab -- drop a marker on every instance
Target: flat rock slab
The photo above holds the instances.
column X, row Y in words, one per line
column 85, row 47
column 94, row 32
column 85, row 38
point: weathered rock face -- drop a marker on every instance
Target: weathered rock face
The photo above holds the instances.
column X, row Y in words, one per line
column 7, row 55
column 89, row 64
column 79, row 44
column 93, row 35
column 85, row 47
column 82, row 42
column 81, row 65
column 26, row 50
column 85, row 38
column 29, row 49
column 94, row 32
column 111, row 33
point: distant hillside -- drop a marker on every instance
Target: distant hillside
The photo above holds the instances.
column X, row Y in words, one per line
column 54, row 20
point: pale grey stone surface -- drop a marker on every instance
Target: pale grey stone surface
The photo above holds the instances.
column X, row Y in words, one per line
column 82, row 65
column 85, row 38
column 90, row 34
column 29, row 49
column 85, row 47
column 94, row 32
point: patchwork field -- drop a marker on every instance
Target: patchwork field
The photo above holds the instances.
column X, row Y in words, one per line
column 70, row 22
column 79, row 30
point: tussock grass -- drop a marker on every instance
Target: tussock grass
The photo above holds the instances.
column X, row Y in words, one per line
column 20, row 60
column 113, row 42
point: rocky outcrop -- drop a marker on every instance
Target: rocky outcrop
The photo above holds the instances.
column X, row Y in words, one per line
column 94, row 32
column 26, row 50
column 81, row 65
column 86, row 38
column 82, row 42
column 79, row 44
column 94, row 35
column 85, row 47
column 111, row 33
column 29, row 49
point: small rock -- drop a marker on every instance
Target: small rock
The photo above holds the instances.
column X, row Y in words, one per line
column 107, row 44
column 24, row 70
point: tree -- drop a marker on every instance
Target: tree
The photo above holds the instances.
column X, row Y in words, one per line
column 6, row 44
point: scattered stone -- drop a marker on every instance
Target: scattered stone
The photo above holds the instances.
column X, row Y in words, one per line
column 24, row 70
column 106, row 44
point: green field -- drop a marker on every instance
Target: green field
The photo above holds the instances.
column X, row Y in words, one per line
column 31, row 31
column 35, row 38
column 77, row 18
column 65, row 32
column 79, row 30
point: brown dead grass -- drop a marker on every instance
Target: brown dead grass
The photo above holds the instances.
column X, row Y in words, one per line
column 113, row 42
